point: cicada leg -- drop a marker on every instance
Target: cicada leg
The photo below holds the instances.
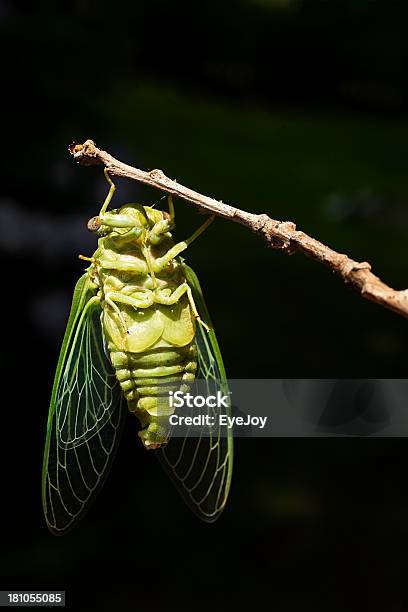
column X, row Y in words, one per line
column 161, row 262
column 164, row 226
column 194, row 309
column 162, row 296
column 200, row 230
column 116, row 309
column 136, row 267
column 172, row 212
column 110, row 193
column 112, row 298
column 117, row 297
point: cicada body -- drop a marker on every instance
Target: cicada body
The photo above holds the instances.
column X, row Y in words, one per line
column 138, row 329
column 148, row 311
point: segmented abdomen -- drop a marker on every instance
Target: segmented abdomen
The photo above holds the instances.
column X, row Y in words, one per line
column 146, row 376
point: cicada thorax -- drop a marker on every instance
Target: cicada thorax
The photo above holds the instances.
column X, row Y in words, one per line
column 148, row 323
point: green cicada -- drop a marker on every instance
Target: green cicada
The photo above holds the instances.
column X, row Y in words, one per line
column 138, row 327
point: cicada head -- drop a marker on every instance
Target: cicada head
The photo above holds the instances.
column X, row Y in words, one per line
column 133, row 222
column 130, row 221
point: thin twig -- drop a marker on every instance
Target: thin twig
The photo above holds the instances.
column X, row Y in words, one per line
column 279, row 235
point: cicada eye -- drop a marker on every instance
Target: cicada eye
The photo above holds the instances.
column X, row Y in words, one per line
column 94, row 224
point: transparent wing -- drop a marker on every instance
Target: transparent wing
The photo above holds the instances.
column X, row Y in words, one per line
column 201, row 467
column 85, row 416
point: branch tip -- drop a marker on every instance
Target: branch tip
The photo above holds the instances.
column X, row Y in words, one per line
column 86, row 154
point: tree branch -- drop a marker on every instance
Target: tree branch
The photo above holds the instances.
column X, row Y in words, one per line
column 279, row 235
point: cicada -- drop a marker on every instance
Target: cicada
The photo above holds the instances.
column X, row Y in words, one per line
column 138, row 327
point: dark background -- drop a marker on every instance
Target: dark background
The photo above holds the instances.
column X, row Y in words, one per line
column 297, row 109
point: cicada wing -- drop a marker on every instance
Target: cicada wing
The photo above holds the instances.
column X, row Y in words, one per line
column 201, row 467
column 85, row 416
